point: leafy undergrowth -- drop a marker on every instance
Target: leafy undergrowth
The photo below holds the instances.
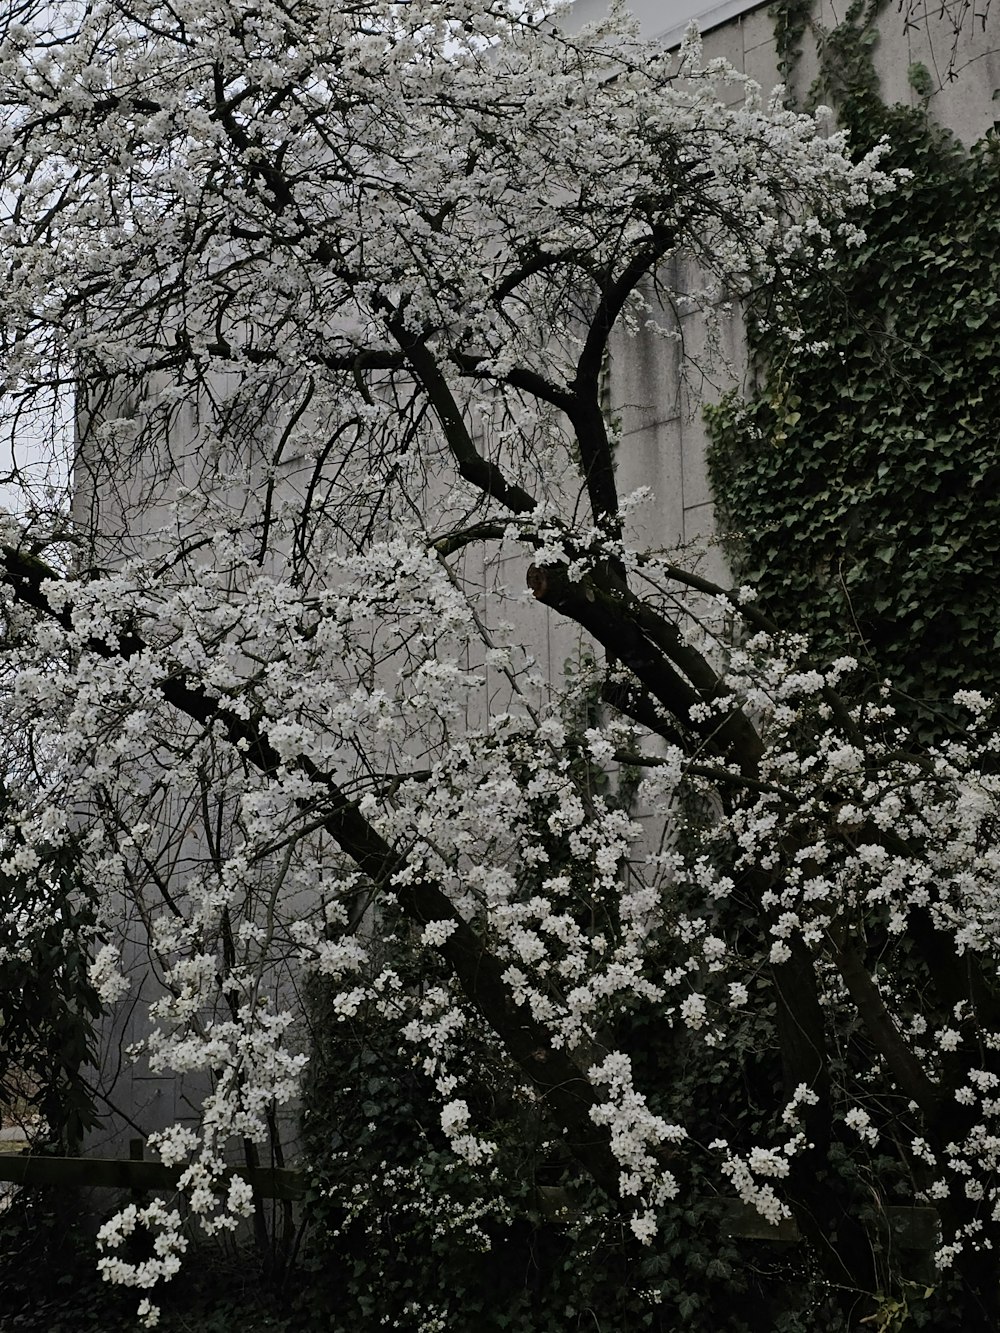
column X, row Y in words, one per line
column 50, row 1284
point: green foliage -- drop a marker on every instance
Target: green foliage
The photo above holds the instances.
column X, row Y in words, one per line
column 790, row 20
column 847, row 75
column 49, row 1281
column 48, row 1269
column 47, row 1004
column 405, row 1236
column 860, row 484
column 919, row 78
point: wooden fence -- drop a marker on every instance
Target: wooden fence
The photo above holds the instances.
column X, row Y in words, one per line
column 22, row 1168
column 914, row 1229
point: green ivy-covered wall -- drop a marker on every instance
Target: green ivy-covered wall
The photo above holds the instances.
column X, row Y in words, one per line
column 858, row 486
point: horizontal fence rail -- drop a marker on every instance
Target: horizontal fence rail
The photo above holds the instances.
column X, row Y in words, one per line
column 270, row 1182
column 911, row 1228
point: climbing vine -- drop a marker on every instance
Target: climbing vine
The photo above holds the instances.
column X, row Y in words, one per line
column 48, row 1005
column 860, row 483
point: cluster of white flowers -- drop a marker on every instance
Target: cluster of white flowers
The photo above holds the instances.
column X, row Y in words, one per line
column 504, row 823
column 742, row 1172
column 169, row 1243
column 636, row 1137
column 455, row 1123
column 860, row 1121
column 105, row 976
column 436, row 932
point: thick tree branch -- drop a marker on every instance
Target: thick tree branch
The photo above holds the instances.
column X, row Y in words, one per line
column 902, row 1063
column 518, row 377
column 596, row 460
column 472, row 466
column 652, row 649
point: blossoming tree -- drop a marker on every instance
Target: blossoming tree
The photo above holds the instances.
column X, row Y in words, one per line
column 331, row 287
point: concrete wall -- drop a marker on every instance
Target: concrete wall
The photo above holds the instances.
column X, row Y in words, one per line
column 958, row 44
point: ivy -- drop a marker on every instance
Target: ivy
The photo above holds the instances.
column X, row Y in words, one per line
column 860, row 483
column 790, row 19
column 48, row 1006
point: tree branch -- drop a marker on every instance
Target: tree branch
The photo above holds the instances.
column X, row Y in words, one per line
column 585, row 412
column 902, row 1063
column 651, row 649
column 472, row 466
